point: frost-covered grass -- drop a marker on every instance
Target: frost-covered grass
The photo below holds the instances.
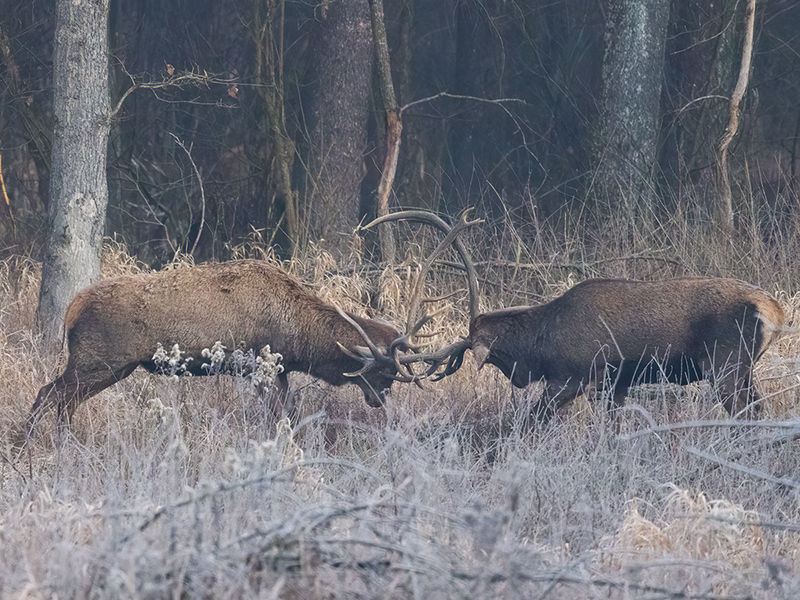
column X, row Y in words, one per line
column 190, row 488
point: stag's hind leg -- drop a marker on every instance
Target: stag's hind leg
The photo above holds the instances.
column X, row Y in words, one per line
column 281, row 399
column 731, row 373
column 738, row 393
column 74, row 386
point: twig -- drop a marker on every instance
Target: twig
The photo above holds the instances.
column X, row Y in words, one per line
column 202, row 193
column 498, row 101
column 780, row 481
column 194, row 77
column 416, row 563
column 581, row 268
column 230, row 487
column 793, row 424
column 752, row 522
column 8, row 202
column 501, row 102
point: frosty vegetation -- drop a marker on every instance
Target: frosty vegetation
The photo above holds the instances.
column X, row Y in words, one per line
column 190, row 487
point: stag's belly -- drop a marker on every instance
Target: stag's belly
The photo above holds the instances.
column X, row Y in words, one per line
column 650, row 365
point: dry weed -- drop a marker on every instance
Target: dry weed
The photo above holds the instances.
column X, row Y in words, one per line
column 192, row 489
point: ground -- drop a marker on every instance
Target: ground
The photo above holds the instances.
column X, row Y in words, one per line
column 191, row 488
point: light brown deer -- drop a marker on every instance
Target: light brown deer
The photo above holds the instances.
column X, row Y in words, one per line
column 615, row 333
column 115, row 325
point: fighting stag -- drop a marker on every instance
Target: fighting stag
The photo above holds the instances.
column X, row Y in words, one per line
column 614, row 333
column 116, row 325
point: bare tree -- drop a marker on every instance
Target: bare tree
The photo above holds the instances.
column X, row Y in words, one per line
column 394, row 127
column 339, row 113
column 723, row 213
column 627, row 126
column 78, row 187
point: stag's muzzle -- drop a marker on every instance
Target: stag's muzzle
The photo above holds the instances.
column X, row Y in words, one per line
column 481, row 354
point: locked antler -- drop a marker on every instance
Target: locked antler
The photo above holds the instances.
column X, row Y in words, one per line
column 450, row 356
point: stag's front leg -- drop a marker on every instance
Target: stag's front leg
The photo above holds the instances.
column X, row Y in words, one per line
column 281, row 400
column 556, row 394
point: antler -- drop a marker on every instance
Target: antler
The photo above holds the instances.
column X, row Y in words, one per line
column 452, row 355
column 400, row 362
column 436, row 221
column 375, row 356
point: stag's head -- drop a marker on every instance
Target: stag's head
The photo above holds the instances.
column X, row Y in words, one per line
column 383, row 358
column 494, row 339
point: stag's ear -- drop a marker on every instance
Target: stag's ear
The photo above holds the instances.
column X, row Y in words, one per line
column 481, row 354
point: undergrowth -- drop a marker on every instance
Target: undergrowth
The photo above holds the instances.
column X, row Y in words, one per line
column 192, row 488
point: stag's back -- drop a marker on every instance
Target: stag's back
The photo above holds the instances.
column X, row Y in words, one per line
column 194, row 307
column 688, row 316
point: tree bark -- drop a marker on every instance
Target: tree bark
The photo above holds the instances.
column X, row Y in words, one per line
column 269, row 70
column 78, row 186
column 627, row 129
column 339, row 124
column 723, row 213
column 394, row 129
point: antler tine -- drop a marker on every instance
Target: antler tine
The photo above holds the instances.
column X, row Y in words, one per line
column 377, row 356
column 352, row 354
column 419, row 283
column 453, row 363
column 437, row 222
column 451, row 355
column 405, row 340
column 369, row 363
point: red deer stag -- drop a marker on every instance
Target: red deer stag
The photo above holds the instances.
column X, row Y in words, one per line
column 116, row 325
column 615, row 333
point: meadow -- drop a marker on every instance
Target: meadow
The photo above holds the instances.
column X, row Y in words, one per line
column 189, row 487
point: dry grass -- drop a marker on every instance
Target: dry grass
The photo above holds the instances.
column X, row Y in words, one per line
column 190, row 489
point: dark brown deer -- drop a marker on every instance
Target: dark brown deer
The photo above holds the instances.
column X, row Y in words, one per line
column 615, row 333
column 115, row 325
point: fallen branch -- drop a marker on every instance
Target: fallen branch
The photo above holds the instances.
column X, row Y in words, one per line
column 784, row 482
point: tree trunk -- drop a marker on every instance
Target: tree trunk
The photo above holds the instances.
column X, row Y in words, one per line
column 627, row 128
column 723, row 213
column 78, row 187
column 339, row 124
column 394, row 129
column 269, row 70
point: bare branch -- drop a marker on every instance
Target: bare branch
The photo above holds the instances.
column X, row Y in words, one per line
column 195, row 77
column 202, row 192
column 784, row 482
column 498, row 101
column 724, row 207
